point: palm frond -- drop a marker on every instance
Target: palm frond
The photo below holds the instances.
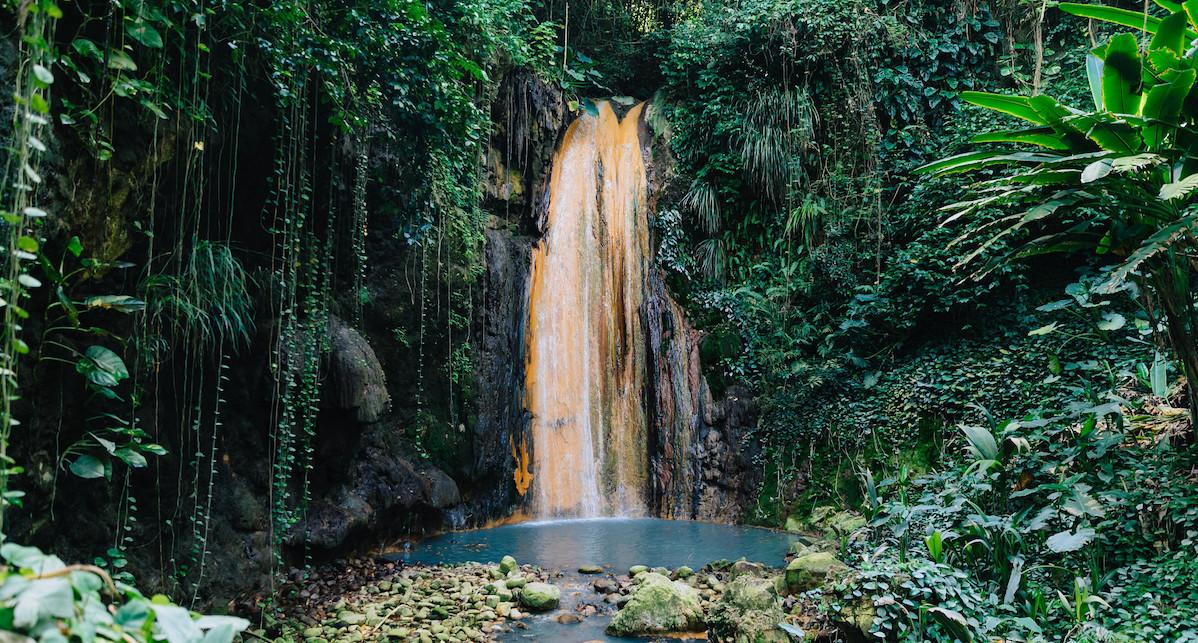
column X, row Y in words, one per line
column 777, row 126
column 712, row 258
column 703, row 201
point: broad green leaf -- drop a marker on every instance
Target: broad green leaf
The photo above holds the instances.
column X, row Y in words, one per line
column 1043, row 330
column 175, row 625
column 1171, row 34
column 953, row 622
column 131, row 457
column 1133, row 19
column 88, row 467
column 45, row 76
column 1067, row 541
column 102, row 367
column 27, row 557
column 1017, row 106
column 1112, row 321
column 1094, row 76
column 1121, row 74
column 1097, row 170
column 1042, row 136
column 45, row 598
column 981, row 442
column 1159, row 379
column 976, row 160
column 145, row 33
column 1179, row 189
column 1163, row 104
column 87, row 48
column 1083, row 504
column 1191, row 10
column 1159, row 242
column 120, row 303
column 120, row 61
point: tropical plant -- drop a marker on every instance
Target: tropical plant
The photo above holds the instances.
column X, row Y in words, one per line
column 49, row 601
column 1118, row 181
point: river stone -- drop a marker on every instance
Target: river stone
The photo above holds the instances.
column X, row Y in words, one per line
column 743, row 567
column 590, row 569
column 812, row 570
column 540, row 596
column 516, row 582
column 683, row 572
column 636, row 569
column 749, row 610
column 659, row 606
column 351, row 618
column 507, row 564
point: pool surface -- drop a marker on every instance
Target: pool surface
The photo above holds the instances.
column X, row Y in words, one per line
column 614, row 543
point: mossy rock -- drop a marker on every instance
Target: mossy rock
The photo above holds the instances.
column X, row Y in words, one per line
column 540, row 597
column 804, row 547
column 858, row 615
column 659, row 606
column 812, row 570
column 748, row 612
column 743, row 567
column 506, row 565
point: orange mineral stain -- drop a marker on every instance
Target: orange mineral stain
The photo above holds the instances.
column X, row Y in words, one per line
column 585, row 355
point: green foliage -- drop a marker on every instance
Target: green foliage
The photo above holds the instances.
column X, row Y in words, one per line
column 1124, row 167
column 51, row 602
column 1040, row 524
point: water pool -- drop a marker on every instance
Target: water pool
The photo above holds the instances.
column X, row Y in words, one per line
column 615, row 543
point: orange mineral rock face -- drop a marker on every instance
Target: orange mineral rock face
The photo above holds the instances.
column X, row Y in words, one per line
column 585, row 366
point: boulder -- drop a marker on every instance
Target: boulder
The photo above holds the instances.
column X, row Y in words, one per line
column 636, row 569
column 829, row 521
column 812, row 570
column 539, row 597
column 359, row 382
column 507, row 564
column 748, row 612
column 590, row 569
column 743, row 567
column 659, row 606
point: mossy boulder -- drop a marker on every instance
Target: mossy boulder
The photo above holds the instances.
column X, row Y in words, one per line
column 748, row 612
column 859, row 615
column 539, row 597
column 829, row 521
column 507, row 564
column 812, row 570
column 743, row 567
column 803, row 547
column 658, row 606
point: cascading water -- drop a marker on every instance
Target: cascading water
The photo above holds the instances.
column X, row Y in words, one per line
column 586, row 365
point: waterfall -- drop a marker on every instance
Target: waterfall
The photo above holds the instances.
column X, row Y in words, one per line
column 585, row 356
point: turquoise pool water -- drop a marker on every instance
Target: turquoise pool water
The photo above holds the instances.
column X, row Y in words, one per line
column 615, row 543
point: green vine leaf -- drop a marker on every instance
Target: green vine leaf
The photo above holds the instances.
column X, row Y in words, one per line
column 102, row 367
column 144, row 33
column 88, row 467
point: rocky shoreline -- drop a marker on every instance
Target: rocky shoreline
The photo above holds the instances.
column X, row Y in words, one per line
column 740, row 601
